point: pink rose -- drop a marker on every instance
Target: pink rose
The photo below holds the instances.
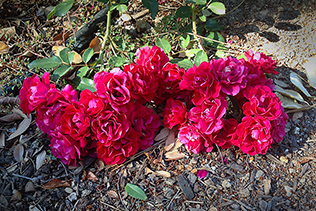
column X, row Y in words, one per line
column 253, row 135
column 142, row 82
column 114, row 88
column 153, row 60
column 278, row 126
column 264, row 62
column 224, row 136
column 262, row 102
column 231, row 74
column 110, row 126
column 66, row 148
column 75, row 123
column 208, row 117
column 33, row 92
column 174, row 113
column 91, row 103
column 145, row 121
column 172, row 76
column 191, row 137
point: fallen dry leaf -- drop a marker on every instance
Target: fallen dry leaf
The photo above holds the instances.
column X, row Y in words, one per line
column 55, row 183
column 40, row 159
column 112, row 194
column 310, row 68
column 295, row 79
column 91, row 176
column 18, row 152
column 164, row 132
column 9, row 31
column 163, row 173
column 289, row 93
column 297, row 115
column 10, row 118
column 99, row 165
column 2, row 140
column 24, row 125
column 95, row 44
column 29, row 187
column 170, row 141
column 148, row 171
column 63, row 36
column 174, row 155
column 4, row 49
column 281, row 83
column 16, row 195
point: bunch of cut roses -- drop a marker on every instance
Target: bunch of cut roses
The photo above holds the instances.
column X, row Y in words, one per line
column 225, row 102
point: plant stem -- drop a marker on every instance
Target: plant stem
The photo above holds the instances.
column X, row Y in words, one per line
column 194, row 29
column 108, row 23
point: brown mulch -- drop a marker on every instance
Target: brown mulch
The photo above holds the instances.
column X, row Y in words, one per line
column 283, row 179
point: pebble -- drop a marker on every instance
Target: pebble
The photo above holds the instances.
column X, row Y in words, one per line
column 236, row 167
column 168, row 193
column 72, row 197
column 288, row 190
column 259, row 174
column 68, row 190
column 263, row 205
column 244, row 193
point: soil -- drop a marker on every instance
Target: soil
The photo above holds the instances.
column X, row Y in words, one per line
column 283, row 179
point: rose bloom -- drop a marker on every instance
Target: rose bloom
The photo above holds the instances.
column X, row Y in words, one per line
column 143, row 84
column 253, row 135
column 224, row 136
column 191, row 137
column 33, row 92
column 202, row 82
column 74, row 122
column 231, row 74
column 114, row 88
column 49, row 115
column 153, row 59
column 264, row 62
column 110, row 126
column 278, row 126
column 208, row 117
column 91, row 103
column 119, row 150
column 66, row 148
column 262, row 102
column 174, row 113
column 145, row 121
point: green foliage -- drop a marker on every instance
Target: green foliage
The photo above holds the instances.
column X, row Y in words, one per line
column 135, row 191
column 61, row 9
column 87, row 54
column 46, row 63
column 184, row 41
column 213, row 25
column 152, row 5
column 86, row 83
column 200, row 57
column 183, row 12
column 183, row 63
column 200, row 2
column 60, row 71
column 164, row 44
column 217, row 7
column 118, row 61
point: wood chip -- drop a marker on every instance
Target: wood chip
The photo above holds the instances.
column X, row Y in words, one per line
column 112, row 194
column 185, row 187
column 170, row 141
column 266, row 186
column 55, row 183
column 174, row 155
column 274, row 159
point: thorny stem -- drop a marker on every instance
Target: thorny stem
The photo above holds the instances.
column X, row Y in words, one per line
column 108, row 22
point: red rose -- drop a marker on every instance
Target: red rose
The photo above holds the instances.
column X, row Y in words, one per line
column 264, row 62
column 191, row 137
column 91, row 103
column 262, row 102
column 278, row 126
column 224, row 136
column 174, row 113
column 253, row 135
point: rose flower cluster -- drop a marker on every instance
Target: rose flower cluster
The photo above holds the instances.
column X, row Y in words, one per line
column 225, row 102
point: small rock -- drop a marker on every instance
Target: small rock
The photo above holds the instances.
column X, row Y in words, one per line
column 263, row 205
column 266, row 186
column 72, row 197
column 226, row 184
column 235, row 207
column 244, row 193
column 126, row 17
column 297, row 130
column 284, row 159
column 212, row 209
column 85, row 193
column 259, row 174
column 236, row 167
column 29, row 187
column 288, row 190
column 68, row 190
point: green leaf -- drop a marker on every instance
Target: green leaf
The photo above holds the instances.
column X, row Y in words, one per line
column 215, row 36
column 217, row 7
column 64, row 55
column 122, row 8
column 200, row 57
column 123, row 1
column 206, row 12
column 82, row 71
column 46, row 63
column 152, row 5
column 61, row 71
column 87, row 54
column 51, row 13
column 202, row 18
column 183, row 12
column 242, row 57
column 184, row 41
column 118, row 61
column 103, row 1
column 135, row 191
column 200, row 2
column 192, row 52
column 213, row 25
column 220, row 54
column 182, row 63
column 86, row 83
column 70, row 56
column 62, row 8
column 164, row 44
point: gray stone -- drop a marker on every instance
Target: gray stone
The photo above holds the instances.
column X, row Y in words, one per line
column 259, row 174
column 288, row 190
column 169, row 193
column 185, row 187
column 192, row 178
column 72, row 197
column 244, row 193
column 226, row 184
